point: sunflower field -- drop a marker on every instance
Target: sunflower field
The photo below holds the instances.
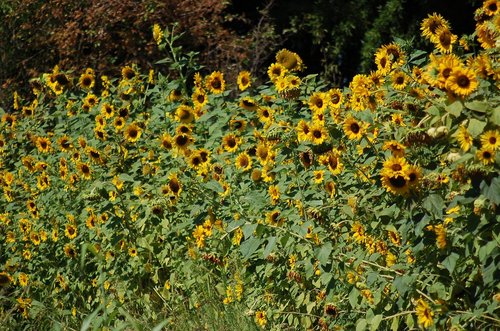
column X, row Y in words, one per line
column 184, row 201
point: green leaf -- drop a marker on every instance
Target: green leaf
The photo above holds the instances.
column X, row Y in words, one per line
column 434, row 204
column 455, row 108
column 395, row 324
column 354, row 297
column 476, row 127
column 271, row 244
column 375, row 322
column 324, row 253
column 249, row 246
column 492, row 191
column 361, row 325
column 479, row 106
column 451, row 261
column 495, row 116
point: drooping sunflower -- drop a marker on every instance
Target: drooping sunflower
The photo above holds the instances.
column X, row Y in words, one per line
column 70, row 251
column 290, row 60
column 231, row 142
column 132, row 132
column 490, row 140
column 395, row 54
column 396, row 148
column 486, row 35
column 248, row 104
column 431, row 24
column 332, row 161
column 174, row 185
column 462, row 81
column 175, row 95
column 273, row 218
column 263, row 153
column 244, row 80
column 243, row 161
column 353, row 128
column 166, row 141
column 215, row 82
column 318, row 133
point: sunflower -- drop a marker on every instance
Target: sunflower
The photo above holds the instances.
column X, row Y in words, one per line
column 444, row 40
column 396, row 183
column 215, row 82
column 431, row 24
column 230, row 142
column 43, row 181
column 395, row 165
column 318, row 133
column 399, row 80
column 70, row 251
column 274, row 194
column 71, row 231
column 175, row 95
column 464, row 138
column 84, row 170
column 91, row 100
column 462, row 82
column 128, row 73
column 107, row 110
column 486, row 155
column 248, row 104
column 290, row 60
column 86, row 81
column 199, row 97
column 5, row 278
column 332, row 161
column 43, row 144
column 174, row 185
column 35, row 238
column 383, row 62
column 273, row 218
column 263, row 153
column 244, row 80
column 64, row 143
column 265, row 114
column 181, row 141
column 281, row 85
column 490, row 140
column 237, row 124
column 486, row 36
column 424, row 313
column 166, row 141
column 398, row 119
column 396, row 148
column 119, row 123
column 491, row 7
column 303, row 130
column 184, row 114
column 276, row 70
column 353, row 129
column 394, row 53
column 318, row 102
column 335, row 97
column 132, row 133
column 414, row 174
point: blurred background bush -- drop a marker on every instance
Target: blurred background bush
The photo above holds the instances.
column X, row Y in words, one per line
column 336, row 38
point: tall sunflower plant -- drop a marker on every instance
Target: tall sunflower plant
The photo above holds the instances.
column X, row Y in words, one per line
column 295, row 204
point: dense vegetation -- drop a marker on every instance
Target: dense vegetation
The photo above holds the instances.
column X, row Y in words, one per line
column 180, row 198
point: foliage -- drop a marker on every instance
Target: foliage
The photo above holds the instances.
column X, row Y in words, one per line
column 132, row 202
